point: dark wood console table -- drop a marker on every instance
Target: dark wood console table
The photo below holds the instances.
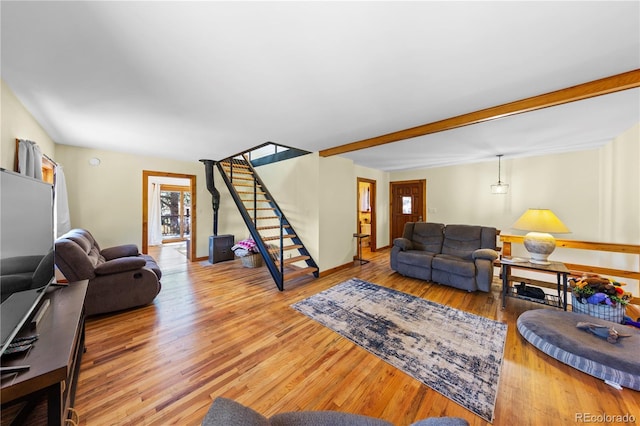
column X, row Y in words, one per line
column 54, row 362
column 557, row 268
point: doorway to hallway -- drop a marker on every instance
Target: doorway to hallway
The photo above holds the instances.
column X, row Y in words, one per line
column 366, row 212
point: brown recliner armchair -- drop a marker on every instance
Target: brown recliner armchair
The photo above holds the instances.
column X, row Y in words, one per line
column 119, row 277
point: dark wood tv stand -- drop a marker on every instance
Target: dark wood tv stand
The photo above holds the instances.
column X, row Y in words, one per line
column 49, row 385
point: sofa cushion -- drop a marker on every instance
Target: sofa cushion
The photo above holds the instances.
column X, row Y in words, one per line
column 324, row 418
column 454, row 265
column 488, row 237
column 428, row 236
column 416, row 257
column 120, row 251
column 461, row 240
column 82, row 242
column 403, row 243
column 120, row 265
column 73, row 261
column 226, row 412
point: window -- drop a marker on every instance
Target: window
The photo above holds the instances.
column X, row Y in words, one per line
column 406, row 205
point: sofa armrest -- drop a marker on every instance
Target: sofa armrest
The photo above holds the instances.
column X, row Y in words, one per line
column 487, row 254
column 120, row 265
column 120, row 251
column 403, row 243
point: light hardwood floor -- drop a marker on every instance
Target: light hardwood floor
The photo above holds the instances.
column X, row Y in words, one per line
column 226, row 330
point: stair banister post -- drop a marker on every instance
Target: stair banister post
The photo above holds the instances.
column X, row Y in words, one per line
column 281, row 244
column 255, row 202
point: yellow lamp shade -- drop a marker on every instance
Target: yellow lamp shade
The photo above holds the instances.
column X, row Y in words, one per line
column 540, row 220
column 539, row 242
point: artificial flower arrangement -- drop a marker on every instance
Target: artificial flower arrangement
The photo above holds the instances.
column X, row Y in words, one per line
column 245, row 248
column 599, row 291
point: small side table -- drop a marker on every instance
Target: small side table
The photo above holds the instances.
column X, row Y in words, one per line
column 360, row 237
column 558, row 268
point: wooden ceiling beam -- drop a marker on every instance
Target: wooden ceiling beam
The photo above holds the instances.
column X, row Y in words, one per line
column 603, row 86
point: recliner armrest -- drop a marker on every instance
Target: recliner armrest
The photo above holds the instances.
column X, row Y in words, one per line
column 120, row 251
column 120, row 265
column 403, row 243
column 488, row 254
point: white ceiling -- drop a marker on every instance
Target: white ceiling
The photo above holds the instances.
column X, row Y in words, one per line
column 191, row 80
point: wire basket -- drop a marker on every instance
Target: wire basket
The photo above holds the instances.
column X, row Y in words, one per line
column 605, row 312
column 252, row 261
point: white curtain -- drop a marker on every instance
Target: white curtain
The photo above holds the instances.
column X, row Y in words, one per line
column 365, row 203
column 155, row 225
column 62, row 218
column 29, row 159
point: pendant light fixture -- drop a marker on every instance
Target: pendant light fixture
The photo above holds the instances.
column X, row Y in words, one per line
column 500, row 187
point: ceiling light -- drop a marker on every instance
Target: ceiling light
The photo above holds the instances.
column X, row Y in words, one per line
column 500, row 187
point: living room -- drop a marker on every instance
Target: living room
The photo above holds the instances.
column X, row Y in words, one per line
column 594, row 191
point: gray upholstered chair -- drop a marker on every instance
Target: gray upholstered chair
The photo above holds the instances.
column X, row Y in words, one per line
column 227, row 412
column 119, row 277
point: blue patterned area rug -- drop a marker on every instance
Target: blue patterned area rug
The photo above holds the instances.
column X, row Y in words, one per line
column 456, row 353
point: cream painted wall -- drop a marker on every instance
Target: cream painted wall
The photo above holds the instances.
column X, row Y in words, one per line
column 337, row 198
column 17, row 122
column 318, row 196
column 107, row 199
column 620, row 205
column 562, row 183
column 294, row 185
column 620, row 188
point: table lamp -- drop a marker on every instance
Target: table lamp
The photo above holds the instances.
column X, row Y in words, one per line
column 539, row 242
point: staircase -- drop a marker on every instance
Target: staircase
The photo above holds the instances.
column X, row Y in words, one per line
column 282, row 250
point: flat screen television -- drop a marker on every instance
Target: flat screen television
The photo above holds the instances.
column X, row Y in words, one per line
column 27, row 238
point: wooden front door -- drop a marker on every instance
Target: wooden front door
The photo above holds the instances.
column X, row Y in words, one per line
column 408, row 204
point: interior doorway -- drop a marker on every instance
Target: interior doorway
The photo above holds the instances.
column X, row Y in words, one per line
column 408, row 204
column 366, row 211
column 173, row 220
column 175, row 212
